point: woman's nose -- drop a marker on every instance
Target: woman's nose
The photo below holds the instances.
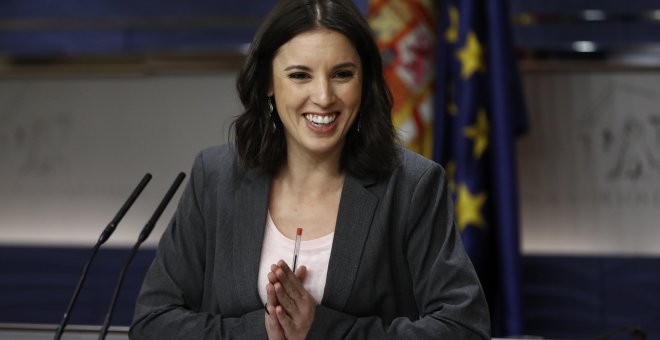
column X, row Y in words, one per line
column 323, row 94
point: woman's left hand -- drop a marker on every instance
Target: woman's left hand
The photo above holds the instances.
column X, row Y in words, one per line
column 296, row 306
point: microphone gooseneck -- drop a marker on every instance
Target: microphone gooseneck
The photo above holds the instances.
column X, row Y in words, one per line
column 105, row 235
column 144, row 234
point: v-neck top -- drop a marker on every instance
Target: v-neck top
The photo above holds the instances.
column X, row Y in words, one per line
column 314, row 254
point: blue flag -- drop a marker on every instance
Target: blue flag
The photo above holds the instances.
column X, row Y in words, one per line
column 479, row 111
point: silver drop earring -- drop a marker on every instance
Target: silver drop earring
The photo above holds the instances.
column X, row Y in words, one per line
column 269, row 114
column 270, row 106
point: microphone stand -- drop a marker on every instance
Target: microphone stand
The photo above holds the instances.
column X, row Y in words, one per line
column 143, row 236
column 105, row 235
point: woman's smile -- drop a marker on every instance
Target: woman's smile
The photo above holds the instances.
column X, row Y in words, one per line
column 320, row 119
column 321, row 123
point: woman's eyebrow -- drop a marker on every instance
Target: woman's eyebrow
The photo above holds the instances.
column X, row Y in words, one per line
column 308, row 69
column 346, row 64
column 297, row 67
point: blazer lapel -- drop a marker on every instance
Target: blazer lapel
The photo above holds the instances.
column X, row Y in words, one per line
column 250, row 209
column 356, row 211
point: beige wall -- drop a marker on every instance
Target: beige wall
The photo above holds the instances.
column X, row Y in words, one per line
column 589, row 168
column 72, row 149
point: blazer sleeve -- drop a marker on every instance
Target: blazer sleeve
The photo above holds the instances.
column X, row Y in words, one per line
column 171, row 303
column 446, row 288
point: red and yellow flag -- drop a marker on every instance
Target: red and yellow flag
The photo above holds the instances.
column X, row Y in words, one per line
column 406, row 35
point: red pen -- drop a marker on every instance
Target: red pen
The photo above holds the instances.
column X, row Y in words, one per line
column 296, row 249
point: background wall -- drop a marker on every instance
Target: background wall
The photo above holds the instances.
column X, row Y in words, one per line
column 589, row 169
column 73, row 149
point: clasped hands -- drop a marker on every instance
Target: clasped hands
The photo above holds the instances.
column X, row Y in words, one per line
column 290, row 307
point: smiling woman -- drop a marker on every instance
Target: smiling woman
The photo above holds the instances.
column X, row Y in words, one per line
column 315, row 151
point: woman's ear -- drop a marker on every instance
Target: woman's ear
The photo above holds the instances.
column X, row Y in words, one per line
column 271, row 91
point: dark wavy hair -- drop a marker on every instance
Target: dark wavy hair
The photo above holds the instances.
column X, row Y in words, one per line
column 369, row 152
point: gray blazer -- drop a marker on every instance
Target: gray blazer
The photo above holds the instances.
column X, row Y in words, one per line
column 397, row 266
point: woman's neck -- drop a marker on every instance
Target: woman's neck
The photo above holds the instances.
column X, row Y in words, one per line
column 306, row 194
column 311, row 174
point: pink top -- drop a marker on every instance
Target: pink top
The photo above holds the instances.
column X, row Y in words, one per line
column 314, row 254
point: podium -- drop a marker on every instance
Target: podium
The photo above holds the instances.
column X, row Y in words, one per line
column 21, row 331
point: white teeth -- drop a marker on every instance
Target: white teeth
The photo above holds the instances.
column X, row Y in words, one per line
column 320, row 120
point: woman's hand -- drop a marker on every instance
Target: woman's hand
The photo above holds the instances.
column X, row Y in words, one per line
column 293, row 305
column 273, row 328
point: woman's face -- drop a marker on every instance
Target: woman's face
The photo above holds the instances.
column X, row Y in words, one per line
column 317, row 84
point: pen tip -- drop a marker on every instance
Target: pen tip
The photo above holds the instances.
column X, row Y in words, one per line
column 299, row 231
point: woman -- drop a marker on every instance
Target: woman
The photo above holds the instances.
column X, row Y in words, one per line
column 315, row 150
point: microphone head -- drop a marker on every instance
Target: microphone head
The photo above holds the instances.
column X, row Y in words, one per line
column 144, row 234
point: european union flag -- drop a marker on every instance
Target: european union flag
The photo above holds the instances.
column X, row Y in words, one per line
column 479, row 110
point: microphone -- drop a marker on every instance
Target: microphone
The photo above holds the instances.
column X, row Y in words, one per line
column 144, row 234
column 109, row 229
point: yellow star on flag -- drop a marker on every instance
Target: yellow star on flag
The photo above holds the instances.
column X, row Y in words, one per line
column 468, row 208
column 478, row 133
column 451, row 34
column 471, row 56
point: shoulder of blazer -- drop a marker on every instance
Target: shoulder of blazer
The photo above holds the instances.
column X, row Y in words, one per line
column 414, row 165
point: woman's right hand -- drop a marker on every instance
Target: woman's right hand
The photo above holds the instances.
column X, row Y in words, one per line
column 273, row 327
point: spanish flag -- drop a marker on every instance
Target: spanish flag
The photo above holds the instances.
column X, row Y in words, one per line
column 406, row 35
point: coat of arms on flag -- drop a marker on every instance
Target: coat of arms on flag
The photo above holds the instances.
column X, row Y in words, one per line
column 406, row 35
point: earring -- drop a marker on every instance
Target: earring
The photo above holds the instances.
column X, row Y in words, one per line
column 358, row 125
column 269, row 112
column 270, row 106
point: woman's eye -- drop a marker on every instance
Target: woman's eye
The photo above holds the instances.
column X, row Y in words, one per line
column 299, row 75
column 344, row 74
